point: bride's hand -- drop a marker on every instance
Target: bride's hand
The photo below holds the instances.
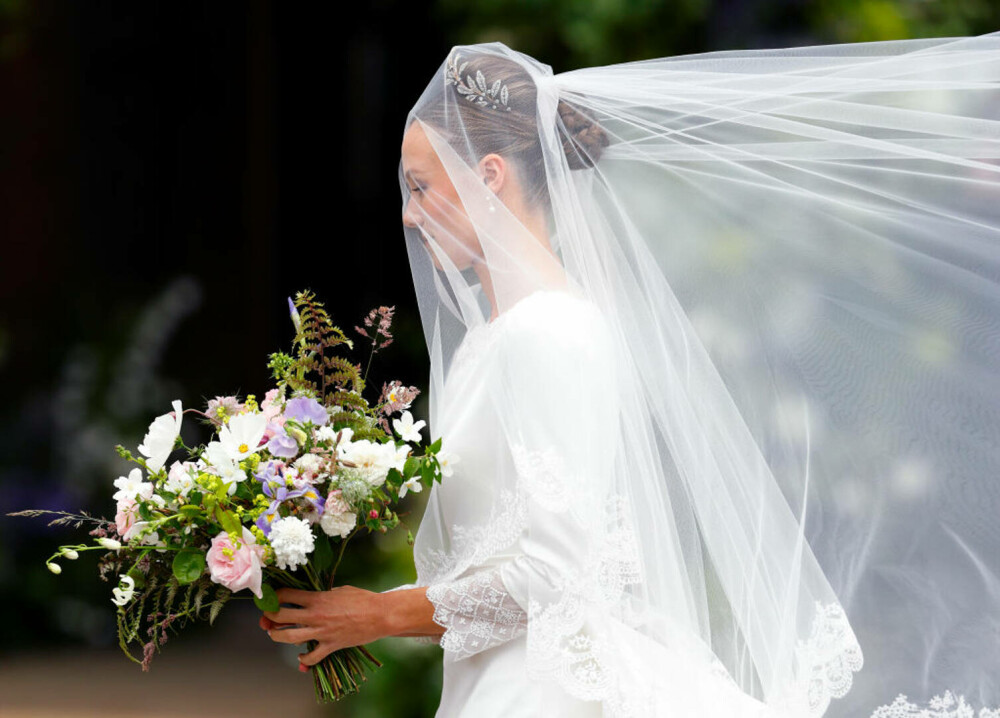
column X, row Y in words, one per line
column 342, row 617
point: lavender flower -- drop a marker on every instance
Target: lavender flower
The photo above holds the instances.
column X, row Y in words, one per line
column 305, row 409
column 281, row 444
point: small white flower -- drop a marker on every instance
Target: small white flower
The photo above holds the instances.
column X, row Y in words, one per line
column 292, row 540
column 159, row 440
column 109, row 544
column 70, row 554
column 309, row 465
column 53, row 567
column 447, row 460
column 242, row 434
column 131, row 486
column 180, row 480
column 223, row 465
column 413, row 484
column 406, row 428
column 125, row 590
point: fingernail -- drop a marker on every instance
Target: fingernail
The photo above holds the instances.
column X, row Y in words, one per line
column 303, row 668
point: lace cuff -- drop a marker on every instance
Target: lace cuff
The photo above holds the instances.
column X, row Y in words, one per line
column 477, row 613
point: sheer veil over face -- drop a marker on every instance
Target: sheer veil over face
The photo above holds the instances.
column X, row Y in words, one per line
column 737, row 316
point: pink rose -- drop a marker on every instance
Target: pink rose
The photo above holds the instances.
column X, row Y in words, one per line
column 125, row 517
column 237, row 564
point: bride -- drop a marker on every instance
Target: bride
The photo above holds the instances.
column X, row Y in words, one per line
column 716, row 340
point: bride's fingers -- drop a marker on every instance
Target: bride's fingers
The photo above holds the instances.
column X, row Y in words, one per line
column 291, row 635
column 315, row 655
column 293, row 595
column 267, row 624
column 288, row 615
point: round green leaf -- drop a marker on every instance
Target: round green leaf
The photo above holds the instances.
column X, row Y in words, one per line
column 188, row 566
column 269, row 599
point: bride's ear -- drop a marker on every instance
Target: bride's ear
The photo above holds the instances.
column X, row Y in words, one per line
column 493, row 169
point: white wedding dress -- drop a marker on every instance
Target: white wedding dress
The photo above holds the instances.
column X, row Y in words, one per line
column 738, row 417
column 487, row 669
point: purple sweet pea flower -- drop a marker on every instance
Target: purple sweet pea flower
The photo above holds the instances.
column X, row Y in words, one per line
column 304, row 409
column 281, row 444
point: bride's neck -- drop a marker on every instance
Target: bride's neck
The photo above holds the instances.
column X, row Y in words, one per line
column 550, row 272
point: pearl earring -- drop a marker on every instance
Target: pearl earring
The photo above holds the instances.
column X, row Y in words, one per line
column 489, row 198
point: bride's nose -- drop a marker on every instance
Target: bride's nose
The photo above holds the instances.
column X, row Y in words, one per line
column 412, row 218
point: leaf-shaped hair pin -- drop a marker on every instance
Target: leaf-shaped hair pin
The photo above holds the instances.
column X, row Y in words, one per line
column 476, row 89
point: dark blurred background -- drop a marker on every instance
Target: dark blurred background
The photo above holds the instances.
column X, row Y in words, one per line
column 169, row 173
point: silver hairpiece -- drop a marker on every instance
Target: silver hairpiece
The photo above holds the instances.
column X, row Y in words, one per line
column 476, row 89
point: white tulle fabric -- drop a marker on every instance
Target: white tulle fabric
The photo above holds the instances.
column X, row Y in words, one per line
column 732, row 448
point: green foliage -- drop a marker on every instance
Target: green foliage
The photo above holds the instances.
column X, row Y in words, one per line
column 166, row 606
column 188, row 566
column 318, row 340
column 268, row 600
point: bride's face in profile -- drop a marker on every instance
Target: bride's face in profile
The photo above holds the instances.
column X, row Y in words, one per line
column 434, row 206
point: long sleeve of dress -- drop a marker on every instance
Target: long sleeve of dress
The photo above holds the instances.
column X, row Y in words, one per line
column 546, row 359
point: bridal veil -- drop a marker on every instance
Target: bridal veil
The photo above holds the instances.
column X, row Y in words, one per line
column 776, row 442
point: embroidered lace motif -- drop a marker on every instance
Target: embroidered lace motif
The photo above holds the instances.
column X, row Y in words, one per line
column 947, row 705
column 476, row 612
column 825, row 662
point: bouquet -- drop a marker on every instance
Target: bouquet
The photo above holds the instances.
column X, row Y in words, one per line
column 270, row 501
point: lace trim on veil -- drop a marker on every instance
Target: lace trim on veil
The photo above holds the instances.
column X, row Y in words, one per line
column 946, row 705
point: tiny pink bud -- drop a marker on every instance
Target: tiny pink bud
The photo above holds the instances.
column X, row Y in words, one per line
column 373, row 514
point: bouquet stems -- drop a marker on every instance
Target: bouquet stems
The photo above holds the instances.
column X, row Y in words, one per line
column 342, row 672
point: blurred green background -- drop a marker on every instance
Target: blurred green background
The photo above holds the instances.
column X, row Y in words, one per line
column 169, row 173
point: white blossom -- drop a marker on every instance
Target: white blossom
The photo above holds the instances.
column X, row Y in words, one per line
column 159, row 440
column 406, row 428
column 447, row 459
column 223, row 465
column 53, row 567
column 309, row 465
column 292, row 540
column 371, row 459
column 241, row 435
column 70, row 554
column 338, row 519
column 131, row 486
column 123, row 593
column 109, row 544
column 413, row 484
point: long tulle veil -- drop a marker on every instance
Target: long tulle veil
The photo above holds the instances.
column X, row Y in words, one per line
column 796, row 253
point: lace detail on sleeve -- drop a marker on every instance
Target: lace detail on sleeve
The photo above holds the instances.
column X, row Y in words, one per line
column 476, row 612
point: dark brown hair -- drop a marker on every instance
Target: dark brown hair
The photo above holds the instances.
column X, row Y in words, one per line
column 484, row 125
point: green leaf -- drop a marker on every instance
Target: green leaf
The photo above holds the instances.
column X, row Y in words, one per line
column 190, row 511
column 322, row 557
column 228, row 521
column 144, row 513
column 411, row 466
column 188, row 566
column 269, row 599
column 435, row 447
column 138, row 576
column 394, row 478
column 427, row 472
